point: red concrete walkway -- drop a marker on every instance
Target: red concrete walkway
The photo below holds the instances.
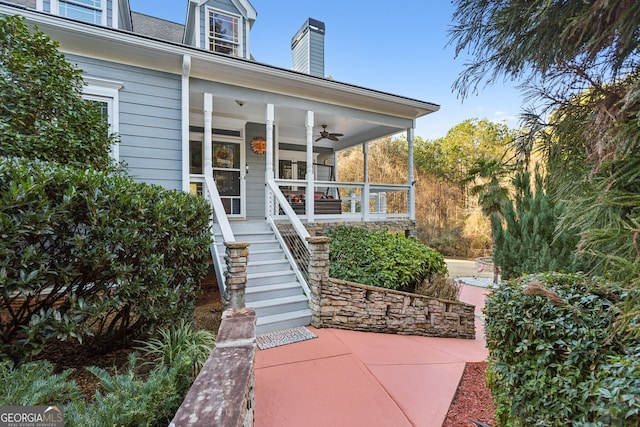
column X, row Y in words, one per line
column 345, row 378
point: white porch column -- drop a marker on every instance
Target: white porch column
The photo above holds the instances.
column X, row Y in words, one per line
column 269, row 119
column 268, row 175
column 186, row 71
column 411, row 182
column 207, row 149
column 367, row 189
column 309, row 198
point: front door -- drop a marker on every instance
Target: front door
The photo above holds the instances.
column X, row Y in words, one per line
column 227, row 157
column 229, row 176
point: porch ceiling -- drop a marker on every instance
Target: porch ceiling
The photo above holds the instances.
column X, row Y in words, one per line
column 357, row 127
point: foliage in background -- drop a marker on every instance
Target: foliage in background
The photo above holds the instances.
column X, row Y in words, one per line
column 580, row 62
column 526, row 241
column 381, row 259
column 42, row 113
column 451, row 157
column 556, row 356
column 445, row 209
column 86, row 253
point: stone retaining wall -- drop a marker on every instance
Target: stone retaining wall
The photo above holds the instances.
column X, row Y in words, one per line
column 406, row 226
column 358, row 307
column 223, row 393
column 345, row 305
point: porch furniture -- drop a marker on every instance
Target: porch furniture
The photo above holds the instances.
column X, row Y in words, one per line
column 321, row 205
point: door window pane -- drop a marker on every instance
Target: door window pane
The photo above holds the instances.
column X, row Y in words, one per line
column 226, row 156
column 228, row 182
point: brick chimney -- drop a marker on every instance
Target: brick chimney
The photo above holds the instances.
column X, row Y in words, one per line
column 307, row 48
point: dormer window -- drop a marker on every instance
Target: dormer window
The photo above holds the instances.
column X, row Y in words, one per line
column 83, row 10
column 224, row 33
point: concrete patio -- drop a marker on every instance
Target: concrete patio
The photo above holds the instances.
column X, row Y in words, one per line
column 346, row 378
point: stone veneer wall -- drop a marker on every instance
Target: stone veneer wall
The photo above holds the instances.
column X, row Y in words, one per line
column 223, row 393
column 358, row 307
column 404, row 226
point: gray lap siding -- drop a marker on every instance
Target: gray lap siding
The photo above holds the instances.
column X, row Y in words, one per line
column 150, row 119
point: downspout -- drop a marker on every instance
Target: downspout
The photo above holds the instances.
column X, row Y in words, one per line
column 411, row 183
column 186, row 70
column 310, row 178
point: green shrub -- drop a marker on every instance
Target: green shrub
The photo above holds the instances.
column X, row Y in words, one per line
column 129, row 400
column 42, row 113
column 84, row 252
column 555, row 358
column 382, row 259
column 34, row 383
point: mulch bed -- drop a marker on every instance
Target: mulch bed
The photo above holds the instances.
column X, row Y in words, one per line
column 473, row 399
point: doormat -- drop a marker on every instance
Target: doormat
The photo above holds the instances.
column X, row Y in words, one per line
column 284, row 337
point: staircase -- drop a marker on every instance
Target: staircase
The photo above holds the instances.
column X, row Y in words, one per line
column 273, row 290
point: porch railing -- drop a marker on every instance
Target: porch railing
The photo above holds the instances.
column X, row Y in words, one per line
column 206, row 186
column 356, row 201
column 290, row 232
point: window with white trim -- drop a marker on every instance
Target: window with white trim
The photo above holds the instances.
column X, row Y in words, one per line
column 224, row 33
column 92, row 11
column 106, row 93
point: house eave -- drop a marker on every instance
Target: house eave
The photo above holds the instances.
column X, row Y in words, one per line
column 134, row 49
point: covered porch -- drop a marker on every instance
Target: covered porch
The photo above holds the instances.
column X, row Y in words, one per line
column 262, row 147
column 275, row 159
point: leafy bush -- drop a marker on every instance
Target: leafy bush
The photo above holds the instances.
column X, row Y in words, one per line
column 84, row 252
column 382, row 259
column 555, row 358
column 34, row 383
column 42, row 113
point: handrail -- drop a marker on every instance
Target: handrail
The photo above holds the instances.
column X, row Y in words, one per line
column 300, row 262
column 210, row 191
column 289, row 212
column 218, row 210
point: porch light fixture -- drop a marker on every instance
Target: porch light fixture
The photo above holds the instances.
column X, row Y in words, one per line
column 259, row 145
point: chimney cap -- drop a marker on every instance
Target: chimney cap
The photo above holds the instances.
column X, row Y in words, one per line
column 309, row 25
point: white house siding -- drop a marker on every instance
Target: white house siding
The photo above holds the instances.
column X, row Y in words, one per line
column 150, row 119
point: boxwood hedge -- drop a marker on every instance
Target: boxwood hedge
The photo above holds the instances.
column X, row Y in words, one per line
column 555, row 356
column 87, row 253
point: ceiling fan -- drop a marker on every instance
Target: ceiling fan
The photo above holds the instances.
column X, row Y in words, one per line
column 327, row 135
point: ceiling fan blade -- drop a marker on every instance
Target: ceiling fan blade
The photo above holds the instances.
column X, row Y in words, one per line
column 337, row 134
column 332, row 137
column 318, row 139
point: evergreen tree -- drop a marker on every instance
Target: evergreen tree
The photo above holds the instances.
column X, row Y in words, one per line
column 527, row 241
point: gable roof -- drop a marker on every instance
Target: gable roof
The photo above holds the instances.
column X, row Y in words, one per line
column 157, row 28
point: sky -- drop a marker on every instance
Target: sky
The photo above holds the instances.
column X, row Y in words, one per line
column 400, row 48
